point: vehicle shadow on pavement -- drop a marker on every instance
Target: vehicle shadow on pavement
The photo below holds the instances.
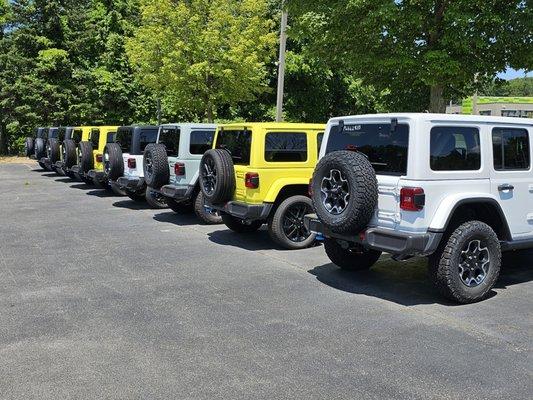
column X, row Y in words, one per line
column 254, row 241
column 408, row 283
column 132, row 205
column 50, row 175
column 66, row 180
column 177, row 219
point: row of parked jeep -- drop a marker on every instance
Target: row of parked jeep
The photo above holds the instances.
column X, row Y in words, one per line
column 455, row 189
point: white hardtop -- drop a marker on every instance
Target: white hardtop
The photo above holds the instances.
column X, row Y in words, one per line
column 436, row 118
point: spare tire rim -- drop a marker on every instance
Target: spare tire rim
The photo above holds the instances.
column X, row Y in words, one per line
column 209, row 175
column 293, row 223
column 107, row 164
column 149, row 164
column 335, row 192
column 474, row 263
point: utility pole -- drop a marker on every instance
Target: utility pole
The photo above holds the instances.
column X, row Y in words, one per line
column 281, row 66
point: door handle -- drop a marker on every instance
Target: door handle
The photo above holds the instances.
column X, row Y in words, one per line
column 505, row 187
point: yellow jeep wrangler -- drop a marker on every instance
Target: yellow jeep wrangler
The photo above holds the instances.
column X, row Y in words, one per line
column 259, row 173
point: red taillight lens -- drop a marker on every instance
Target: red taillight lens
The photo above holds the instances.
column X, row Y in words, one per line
column 179, row 169
column 99, row 158
column 132, row 163
column 412, row 199
column 251, row 180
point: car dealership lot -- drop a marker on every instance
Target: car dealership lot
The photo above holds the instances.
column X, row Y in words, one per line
column 101, row 297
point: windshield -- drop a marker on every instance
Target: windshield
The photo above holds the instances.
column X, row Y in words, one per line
column 238, row 143
column 385, row 148
column 170, row 138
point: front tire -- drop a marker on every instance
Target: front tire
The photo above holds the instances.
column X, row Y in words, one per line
column 239, row 226
column 352, row 257
column 286, row 227
column 467, row 266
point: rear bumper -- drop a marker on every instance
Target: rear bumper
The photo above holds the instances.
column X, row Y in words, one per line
column 244, row 211
column 60, row 165
column 131, row 183
column 46, row 161
column 394, row 242
column 178, row 193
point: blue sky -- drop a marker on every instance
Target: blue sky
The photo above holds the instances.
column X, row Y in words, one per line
column 511, row 74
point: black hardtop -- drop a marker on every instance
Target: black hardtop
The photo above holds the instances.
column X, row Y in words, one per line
column 134, row 138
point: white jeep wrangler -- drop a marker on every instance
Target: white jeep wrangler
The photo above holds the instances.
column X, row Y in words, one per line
column 455, row 188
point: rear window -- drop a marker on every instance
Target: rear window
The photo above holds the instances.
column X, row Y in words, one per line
column 201, row 141
column 95, row 137
column 123, row 138
column 61, row 134
column 170, row 137
column 76, row 135
column 53, row 133
column 455, row 148
column 511, row 149
column 147, row 136
column 286, row 147
column 238, row 143
column 386, row 148
column 111, row 137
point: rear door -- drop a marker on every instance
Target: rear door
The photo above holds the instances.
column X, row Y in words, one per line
column 386, row 146
column 512, row 177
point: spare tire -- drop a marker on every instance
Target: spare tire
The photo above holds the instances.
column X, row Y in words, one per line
column 217, row 176
column 30, row 147
column 86, row 159
column 113, row 161
column 345, row 191
column 155, row 165
column 40, row 149
column 52, row 150
column 69, row 153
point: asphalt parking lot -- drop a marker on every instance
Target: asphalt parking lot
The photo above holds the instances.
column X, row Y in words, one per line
column 101, row 297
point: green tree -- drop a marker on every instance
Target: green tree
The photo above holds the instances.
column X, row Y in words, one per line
column 201, row 55
column 423, row 51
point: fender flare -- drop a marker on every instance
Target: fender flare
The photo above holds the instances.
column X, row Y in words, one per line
column 278, row 186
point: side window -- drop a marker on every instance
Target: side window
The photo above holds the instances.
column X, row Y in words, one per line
column 111, row 137
column 511, row 149
column 95, row 137
column 455, row 149
column 238, row 143
column 286, row 147
column 319, row 139
column 123, row 138
column 201, row 141
column 170, row 137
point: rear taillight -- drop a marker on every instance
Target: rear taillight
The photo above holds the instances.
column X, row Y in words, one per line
column 179, row 169
column 132, row 163
column 251, row 180
column 99, row 158
column 412, row 199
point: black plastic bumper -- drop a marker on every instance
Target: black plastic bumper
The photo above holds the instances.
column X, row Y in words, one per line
column 387, row 240
column 244, row 211
column 46, row 161
column 60, row 165
column 178, row 193
column 131, row 183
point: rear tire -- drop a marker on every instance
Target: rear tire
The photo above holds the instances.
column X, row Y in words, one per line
column 53, row 151
column 39, row 149
column 179, row 208
column 217, row 176
column 207, row 217
column 29, row 147
column 155, row 200
column 239, row 226
column 286, row 226
column 155, row 165
column 355, row 258
column 85, row 157
column 69, row 153
column 113, row 162
column 466, row 267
